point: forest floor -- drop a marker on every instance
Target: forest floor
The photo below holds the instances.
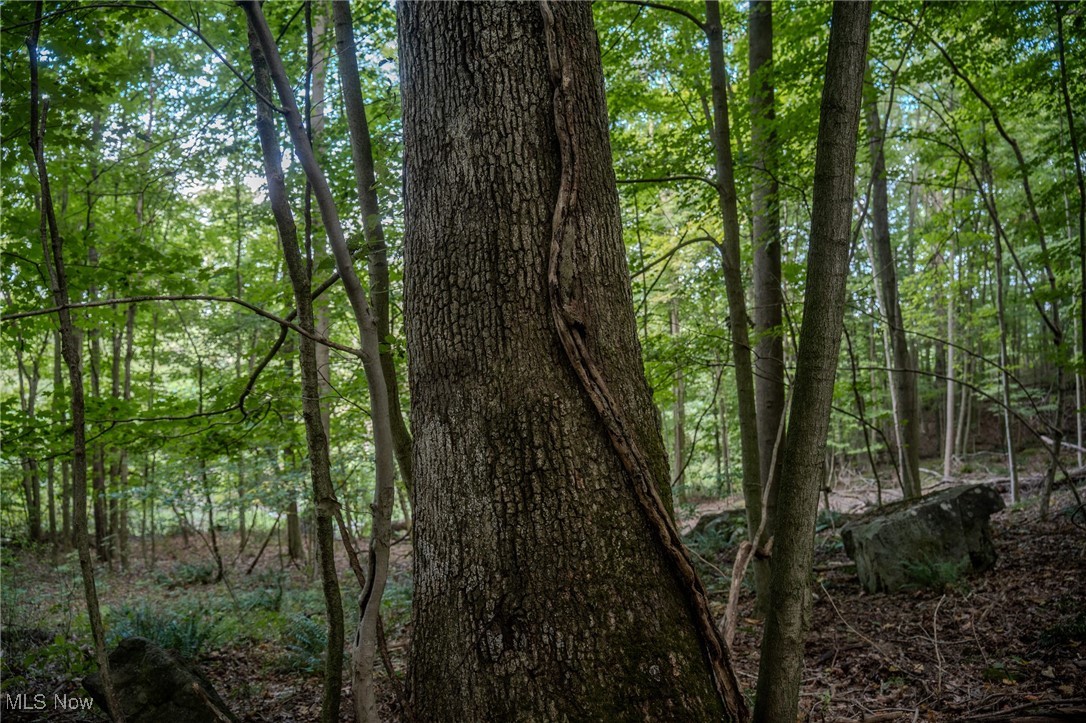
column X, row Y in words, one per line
column 976, row 648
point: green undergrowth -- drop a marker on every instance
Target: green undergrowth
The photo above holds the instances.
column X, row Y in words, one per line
column 935, row 574
column 46, row 635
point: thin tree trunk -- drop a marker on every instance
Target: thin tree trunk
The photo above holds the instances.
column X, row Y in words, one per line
column 963, row 408
column 678, row 473
column 768, row 295
column 243, row 537
column 122, row 530
column 52, row 251
column 318, row 54
column 737, row 305
column 316, row 437
column 781, row 662
column 904, row 400
column 377, row 256
column 384, row 496
column 1072, row 132
column 948, row 426
column 113, row 502
column 29, row 376
column 58, row 410
column 150, row 479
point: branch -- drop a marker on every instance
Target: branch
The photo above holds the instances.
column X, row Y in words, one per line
column 669, row 8
column 263, row 98
column 668, row 179
column 286, row 324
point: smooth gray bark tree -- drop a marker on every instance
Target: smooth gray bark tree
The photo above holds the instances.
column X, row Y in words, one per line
column 768, row 295
column 781, row 664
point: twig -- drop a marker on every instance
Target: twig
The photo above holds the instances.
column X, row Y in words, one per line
column 935, row 642
column 728, row 623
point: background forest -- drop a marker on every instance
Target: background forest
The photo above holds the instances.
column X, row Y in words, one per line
column 212, row 527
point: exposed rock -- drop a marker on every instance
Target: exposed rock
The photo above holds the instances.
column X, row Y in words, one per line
column 925, row 542
column 155, row 686
column 719, row 523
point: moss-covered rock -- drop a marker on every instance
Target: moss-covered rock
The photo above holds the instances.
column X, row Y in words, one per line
column 941, row 532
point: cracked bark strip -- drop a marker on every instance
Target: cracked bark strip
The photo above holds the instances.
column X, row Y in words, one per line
column 570, row 327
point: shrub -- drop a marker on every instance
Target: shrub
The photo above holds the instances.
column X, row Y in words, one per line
column 305, row 641
column 200, row 573
column 185, row 633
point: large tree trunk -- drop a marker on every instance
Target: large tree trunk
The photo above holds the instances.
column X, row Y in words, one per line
column 904, row 399
column 543, row 587
column 768, row 295
column 781, row 663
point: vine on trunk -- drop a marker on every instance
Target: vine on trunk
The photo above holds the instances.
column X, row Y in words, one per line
column 570, row 326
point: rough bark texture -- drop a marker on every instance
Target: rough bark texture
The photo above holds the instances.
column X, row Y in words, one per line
column 539, row 588
column 781, row 663
column 903, row 380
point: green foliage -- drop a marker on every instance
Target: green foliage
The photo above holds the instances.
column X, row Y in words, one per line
column 186, row 632
column 264, row 598
column 396, row 603
column 305, row 641
column 934, row 574
column 62, row 655
column 189, row 573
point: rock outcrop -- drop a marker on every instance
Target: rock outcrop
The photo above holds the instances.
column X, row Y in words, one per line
column 926, row 542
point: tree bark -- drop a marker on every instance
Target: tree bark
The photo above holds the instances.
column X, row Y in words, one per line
column 768, row 295
column 53, row 254
column 678, row 473
column 904, row 401
column 121, row 528
column 737, row 303
column 364, row 651
column 542, row 588
column 948, row 425
column 316, row 436
column 781, row 663
column 365, row 176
